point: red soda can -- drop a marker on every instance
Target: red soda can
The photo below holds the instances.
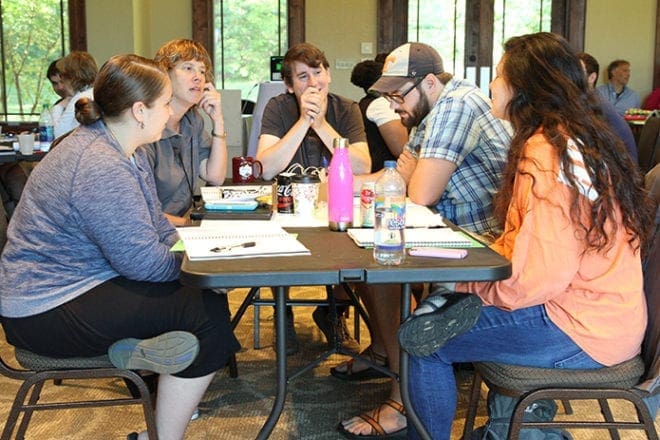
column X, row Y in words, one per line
column 367, row 196
column 284, row 193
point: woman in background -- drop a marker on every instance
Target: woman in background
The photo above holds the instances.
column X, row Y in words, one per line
column 77, row 71
column 88, row 263
column 186, row 151
column 576, row 220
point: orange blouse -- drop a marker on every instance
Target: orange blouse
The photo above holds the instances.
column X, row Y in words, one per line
column 596, row 298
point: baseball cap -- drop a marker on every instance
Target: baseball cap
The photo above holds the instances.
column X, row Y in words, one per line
column 412, row 60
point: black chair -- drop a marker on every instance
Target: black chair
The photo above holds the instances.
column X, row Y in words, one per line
column 631, row 380
column 37, row 370
column 247, row 107
column 649, row 142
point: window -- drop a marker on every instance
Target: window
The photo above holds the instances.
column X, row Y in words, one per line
column 518, row 17
column 246, row 34
column 471, row 44
column 440, row 24
column 33, row 33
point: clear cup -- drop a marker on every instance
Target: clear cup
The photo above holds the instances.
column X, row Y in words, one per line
column 26, row 144
column 305, row 191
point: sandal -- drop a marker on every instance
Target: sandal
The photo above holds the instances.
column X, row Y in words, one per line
column 367, row 373
column 377, row 431
column 438, row 318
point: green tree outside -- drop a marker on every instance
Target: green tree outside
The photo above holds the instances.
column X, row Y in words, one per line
column 31, row 39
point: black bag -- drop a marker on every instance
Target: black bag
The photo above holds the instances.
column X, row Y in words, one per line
column 500, row 410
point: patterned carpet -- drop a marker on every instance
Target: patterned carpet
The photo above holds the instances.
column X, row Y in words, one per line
column 236, row 408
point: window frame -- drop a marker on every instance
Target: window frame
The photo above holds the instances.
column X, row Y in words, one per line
column 202, row 17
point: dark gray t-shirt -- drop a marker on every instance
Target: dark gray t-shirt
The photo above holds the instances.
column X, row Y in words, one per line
column 282, row 112
column 175, row 161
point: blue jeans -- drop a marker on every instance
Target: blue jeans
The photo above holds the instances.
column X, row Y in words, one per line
column 522, row 337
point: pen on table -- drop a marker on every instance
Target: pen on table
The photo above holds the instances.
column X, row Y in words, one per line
column 247, row 244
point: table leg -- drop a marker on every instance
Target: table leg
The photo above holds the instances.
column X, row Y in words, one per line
column 403, row 369
column 280, row 359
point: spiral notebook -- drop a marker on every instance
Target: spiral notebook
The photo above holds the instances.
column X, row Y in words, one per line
column 222, row 239
column 419, row 237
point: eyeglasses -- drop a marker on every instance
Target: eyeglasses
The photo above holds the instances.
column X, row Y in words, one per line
column 399, row 98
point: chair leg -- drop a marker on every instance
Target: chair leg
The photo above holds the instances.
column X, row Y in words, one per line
column 473, row 404
column 607, row 414
column 256, row 343
column 233, row 368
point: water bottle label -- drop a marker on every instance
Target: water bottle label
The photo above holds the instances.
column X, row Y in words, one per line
column 46, row 133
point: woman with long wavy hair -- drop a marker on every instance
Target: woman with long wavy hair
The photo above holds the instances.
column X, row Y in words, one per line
column 576, row 221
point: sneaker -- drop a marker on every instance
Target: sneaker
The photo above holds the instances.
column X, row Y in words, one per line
column 438, row 318
column 323, row 321
column 292, row 344
column 168, row 353
column 195, row 415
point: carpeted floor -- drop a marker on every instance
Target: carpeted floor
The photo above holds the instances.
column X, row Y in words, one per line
column 236, row 408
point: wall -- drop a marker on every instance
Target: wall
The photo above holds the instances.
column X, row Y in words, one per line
column 614, row 29
column 623, row 30
column 339, row 34
column 135, row 26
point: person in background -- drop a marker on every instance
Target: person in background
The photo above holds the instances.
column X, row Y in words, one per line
column 653, row 100
column 59, row 88
column 576, row 220
column 616, row 121
column 187, row 152
column 386, row 135
column 616, row 90
column 77, row 71
column 453, row 161
column 80, row 271
column 298, row 127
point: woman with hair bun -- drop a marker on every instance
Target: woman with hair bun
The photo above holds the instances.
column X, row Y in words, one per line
column 87, row 268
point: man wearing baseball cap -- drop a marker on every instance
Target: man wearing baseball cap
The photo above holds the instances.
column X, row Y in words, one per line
column 453, row 161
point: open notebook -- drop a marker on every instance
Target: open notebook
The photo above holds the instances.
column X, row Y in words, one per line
column 421, row 237
column 221, row 239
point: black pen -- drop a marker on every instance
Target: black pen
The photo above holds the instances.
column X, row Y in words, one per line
column 233, row 246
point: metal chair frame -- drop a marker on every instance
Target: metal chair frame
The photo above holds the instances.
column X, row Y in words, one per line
column 39, row 369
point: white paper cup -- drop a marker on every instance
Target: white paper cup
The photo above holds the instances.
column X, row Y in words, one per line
column 26, row 144
column 305, row 192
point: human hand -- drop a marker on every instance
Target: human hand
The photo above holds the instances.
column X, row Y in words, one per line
column 211, row 103
column 406, row 164
column 313, row 105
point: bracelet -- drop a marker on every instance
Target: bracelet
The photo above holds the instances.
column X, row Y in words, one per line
column 219, row 136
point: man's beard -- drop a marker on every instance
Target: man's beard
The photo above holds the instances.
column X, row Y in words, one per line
column 417, row 113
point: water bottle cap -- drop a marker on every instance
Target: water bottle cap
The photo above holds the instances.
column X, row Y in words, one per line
column 390, row 164
column 340, row 142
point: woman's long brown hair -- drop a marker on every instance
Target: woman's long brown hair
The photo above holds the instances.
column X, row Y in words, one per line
column 550, row 92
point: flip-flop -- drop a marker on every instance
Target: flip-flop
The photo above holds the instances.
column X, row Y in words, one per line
column 377, row 431
column 367, row 373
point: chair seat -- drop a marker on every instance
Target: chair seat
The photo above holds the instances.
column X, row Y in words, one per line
column 35, row 362
column 523, row 379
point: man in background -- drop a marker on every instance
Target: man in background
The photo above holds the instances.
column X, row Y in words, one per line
column 616, row 90
column 616, row 121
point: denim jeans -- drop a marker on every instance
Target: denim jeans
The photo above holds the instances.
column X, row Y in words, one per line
column 522, row 337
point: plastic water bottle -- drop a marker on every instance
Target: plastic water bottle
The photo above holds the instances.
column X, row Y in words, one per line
column 46, row 128
column 340, row 187
column 390, row 216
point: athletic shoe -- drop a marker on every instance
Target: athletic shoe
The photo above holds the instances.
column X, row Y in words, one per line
column 168, row 353
column 438, row 318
